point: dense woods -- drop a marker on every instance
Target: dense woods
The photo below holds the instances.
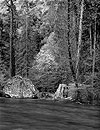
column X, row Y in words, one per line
column 51, row 42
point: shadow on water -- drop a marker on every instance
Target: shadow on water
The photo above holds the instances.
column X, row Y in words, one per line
column 28, row 114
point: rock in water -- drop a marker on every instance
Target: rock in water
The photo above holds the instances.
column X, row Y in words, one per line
column 60, row 91
column 19, row 87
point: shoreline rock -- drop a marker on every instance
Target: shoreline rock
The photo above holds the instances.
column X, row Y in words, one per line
column 19, row 87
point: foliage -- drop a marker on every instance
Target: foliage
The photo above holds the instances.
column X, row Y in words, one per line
column 29, row 38
column 47, row 72
column 4, row 44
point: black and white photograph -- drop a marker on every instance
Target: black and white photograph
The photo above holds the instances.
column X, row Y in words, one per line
column 49, row 64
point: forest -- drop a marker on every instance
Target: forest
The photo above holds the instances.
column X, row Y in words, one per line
column 51, row 42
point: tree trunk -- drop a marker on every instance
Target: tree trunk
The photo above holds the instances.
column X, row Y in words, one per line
column 94, row 54
column 79, row 40
column 26, row 40
column 1, row 24
column 26, row 50
column 90, row 29
column 69, row 47
column 12, row 50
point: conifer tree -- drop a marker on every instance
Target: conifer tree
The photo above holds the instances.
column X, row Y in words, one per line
column 79, row 39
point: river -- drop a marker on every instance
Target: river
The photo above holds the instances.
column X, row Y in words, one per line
column 28, row 114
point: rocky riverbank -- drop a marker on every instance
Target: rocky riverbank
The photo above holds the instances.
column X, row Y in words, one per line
column 19, row 87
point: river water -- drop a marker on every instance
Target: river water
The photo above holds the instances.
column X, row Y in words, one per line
column 28, row 114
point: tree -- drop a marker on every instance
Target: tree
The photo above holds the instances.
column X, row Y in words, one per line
column 8, row 38
column 10, row 10
column 90, row 30
column 94, row 55
column 12, row 50
column 69, row 47
column 79, row 40
column 26, row 6
column 29, row 23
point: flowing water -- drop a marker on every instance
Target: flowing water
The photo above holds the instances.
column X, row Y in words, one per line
column 28, row 114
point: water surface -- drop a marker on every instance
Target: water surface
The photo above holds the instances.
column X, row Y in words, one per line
column 28, row 114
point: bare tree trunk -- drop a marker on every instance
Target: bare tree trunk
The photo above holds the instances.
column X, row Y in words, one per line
column 69, row 47
column 12, row 50
column 26, row 39
column 79, row 39
column 26, row 49
column 94, row 54
column 90, row 29
column 1, row 24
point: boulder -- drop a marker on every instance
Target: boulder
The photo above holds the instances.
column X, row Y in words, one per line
column 66, row 91
column 61, row 92
column 19, row 87
column 82, row 94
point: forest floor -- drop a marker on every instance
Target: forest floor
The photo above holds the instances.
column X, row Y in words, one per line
column 29, row 114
